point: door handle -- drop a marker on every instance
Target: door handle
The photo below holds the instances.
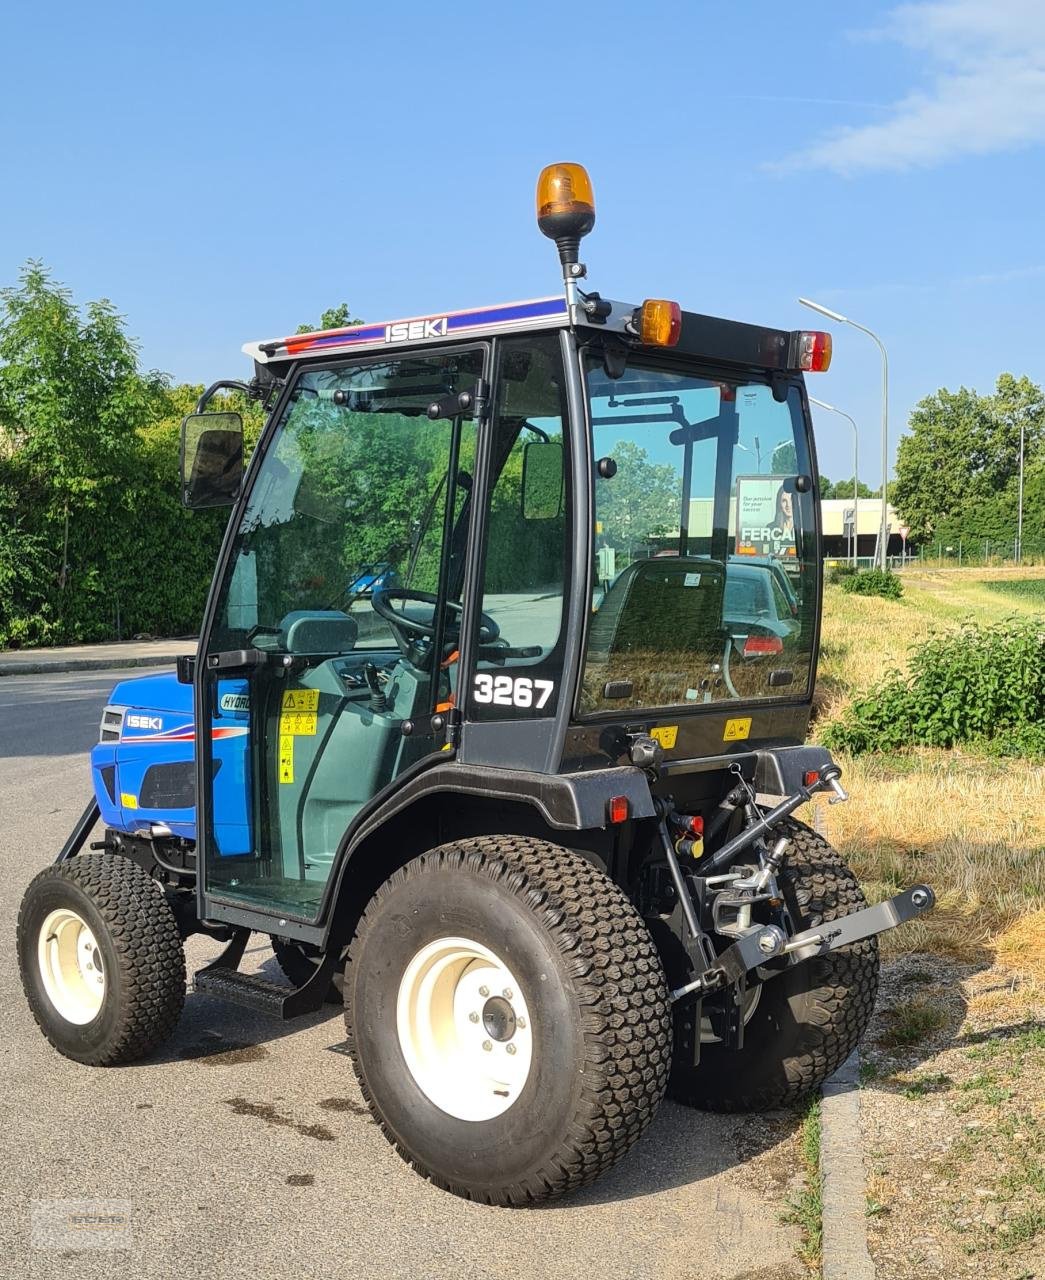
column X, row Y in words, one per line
column 239, row 659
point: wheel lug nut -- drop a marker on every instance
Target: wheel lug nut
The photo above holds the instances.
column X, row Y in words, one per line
column 521, row 1022
column 473, row 1017
column 510, row 1048
column 484, row 992
column 487, row 1045
column 507, row 993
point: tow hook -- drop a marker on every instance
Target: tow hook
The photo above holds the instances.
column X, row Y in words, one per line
column 768, row 942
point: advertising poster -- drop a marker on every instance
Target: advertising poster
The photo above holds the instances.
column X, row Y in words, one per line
column 766, row 516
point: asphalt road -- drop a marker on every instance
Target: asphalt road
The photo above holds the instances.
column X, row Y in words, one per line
column 244, row 1147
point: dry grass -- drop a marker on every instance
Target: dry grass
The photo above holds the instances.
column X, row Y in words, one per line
column 1022, row 947
column 972, row 828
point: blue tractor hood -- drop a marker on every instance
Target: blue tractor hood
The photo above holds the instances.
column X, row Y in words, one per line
column 154, row 693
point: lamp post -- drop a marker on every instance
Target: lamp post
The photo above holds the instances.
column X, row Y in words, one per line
column 883, row 537
column 1019, row 515
column 856, row 469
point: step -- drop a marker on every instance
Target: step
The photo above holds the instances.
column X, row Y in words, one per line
column 251, row 991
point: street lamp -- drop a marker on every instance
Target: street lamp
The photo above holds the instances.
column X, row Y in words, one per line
column 856, row 469
column 1019, row 516
column 883, row 536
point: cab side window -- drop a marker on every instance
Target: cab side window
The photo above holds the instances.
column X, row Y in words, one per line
column 518, row 673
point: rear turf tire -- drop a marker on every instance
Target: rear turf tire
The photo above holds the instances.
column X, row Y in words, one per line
column 575, row 1015
column 101, row 959
column 809, row 1019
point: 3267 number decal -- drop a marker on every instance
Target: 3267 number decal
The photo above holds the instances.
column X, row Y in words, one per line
column 506, row 691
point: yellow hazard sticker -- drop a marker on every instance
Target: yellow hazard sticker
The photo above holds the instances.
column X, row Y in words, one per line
column 666, row 735
column 297, row 724
column 286, row 758
column 128, row 801
column 301, row 700
column 737, row 729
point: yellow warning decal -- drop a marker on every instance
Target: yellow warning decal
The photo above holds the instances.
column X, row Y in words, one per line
column 301, row 700
column 297, row 723
column 128, row 801
column 286, row 758
column 666, row 735
column 737, row 729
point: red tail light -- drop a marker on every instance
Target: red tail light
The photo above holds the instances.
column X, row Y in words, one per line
column 756, row 646
column 814, row 351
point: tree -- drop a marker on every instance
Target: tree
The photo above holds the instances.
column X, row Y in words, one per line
column 338, row 317
column 71, row 396
column 962, row 450
column 642, row 501
column 842, row 488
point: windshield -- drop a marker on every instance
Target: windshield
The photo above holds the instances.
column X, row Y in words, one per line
column 350, row 499
column 705, row 542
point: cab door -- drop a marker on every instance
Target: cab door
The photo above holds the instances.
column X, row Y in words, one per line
column 339, row 608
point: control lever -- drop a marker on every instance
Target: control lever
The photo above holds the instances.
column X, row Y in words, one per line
column 378, row 701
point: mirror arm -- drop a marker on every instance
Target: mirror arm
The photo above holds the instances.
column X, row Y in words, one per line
column 225, row 384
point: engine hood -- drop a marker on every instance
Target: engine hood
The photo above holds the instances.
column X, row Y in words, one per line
column 154, row 693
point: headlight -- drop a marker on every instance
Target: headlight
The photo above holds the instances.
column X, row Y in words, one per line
column 112, row 724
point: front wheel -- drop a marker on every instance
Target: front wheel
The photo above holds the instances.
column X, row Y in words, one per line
column 508, row 1018
column 800, row 1026
column 101, row 959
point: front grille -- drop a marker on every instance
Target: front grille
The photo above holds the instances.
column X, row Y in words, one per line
column 112, row 724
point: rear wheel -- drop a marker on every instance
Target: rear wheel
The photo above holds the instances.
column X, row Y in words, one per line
column 508, row 1018
column 805, row 1022
column 101, row 959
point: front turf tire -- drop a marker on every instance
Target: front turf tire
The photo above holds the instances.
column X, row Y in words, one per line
column 590, row 1058
column 101, row 959
column 810, row 1018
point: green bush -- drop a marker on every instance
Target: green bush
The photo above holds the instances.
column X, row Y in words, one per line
column 980, row 686
column 874, row 582
column 838, row 573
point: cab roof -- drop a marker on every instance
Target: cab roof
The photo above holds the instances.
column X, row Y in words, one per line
column 706, row 337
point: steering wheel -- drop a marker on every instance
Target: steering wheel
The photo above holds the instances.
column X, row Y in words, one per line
column 405, row 624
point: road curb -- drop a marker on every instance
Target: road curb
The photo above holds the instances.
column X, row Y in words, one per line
column 844, row 1188
column 45, row 666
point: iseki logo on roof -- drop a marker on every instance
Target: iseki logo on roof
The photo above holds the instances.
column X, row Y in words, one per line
column 416, row 330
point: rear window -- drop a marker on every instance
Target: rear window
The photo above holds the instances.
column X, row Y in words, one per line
column 704, row 542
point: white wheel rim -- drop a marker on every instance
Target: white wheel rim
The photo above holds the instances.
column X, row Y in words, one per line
column 71, row 966
column 464, row 1028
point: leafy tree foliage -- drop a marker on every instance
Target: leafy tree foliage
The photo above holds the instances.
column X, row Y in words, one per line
column 962, row 454
column 338, row 317
column 641, row 501
column 844, row 489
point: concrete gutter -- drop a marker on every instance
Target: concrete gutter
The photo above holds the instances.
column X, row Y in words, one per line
column 94, row 657
column 844, row 1190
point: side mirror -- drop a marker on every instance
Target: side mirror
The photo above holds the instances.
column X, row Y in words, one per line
column 211, row 459
column 542, row 480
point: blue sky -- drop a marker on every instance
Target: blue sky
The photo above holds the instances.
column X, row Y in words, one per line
column 225, row 171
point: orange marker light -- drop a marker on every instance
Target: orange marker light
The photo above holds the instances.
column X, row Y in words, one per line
column 659, row 322
column 814, row 352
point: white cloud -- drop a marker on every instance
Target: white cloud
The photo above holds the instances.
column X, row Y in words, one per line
column 985, row 90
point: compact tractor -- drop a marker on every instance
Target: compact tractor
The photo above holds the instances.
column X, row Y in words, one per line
column 497, row 729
